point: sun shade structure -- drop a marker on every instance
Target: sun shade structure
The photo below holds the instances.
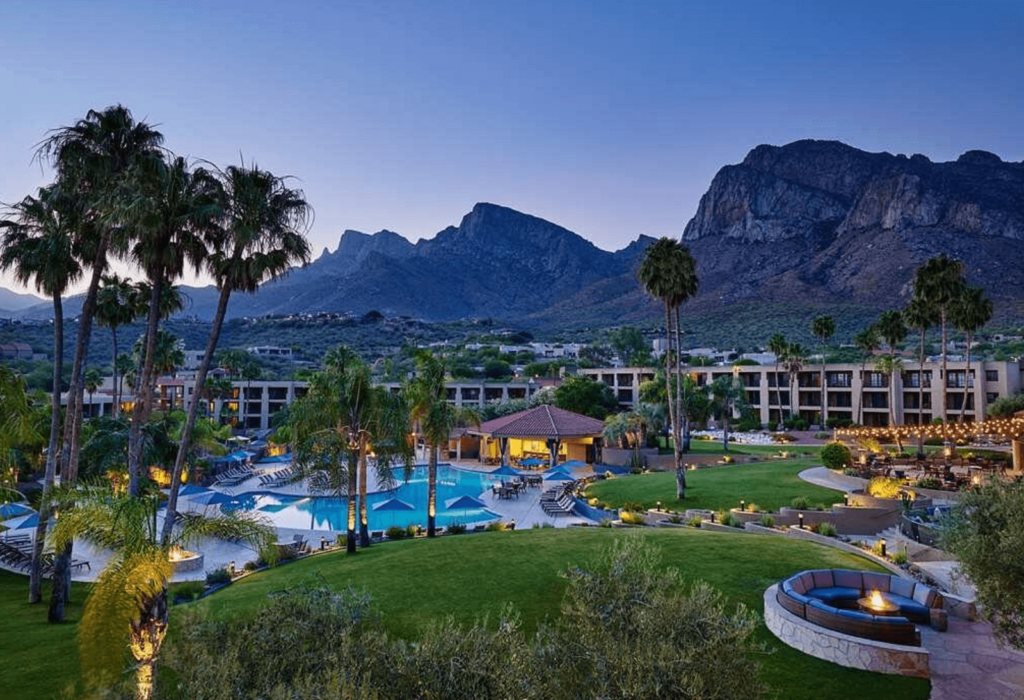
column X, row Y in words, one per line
column 13, row 510
column 393, row 504
column 541, row 430
column 505, row 470
column 463, row 503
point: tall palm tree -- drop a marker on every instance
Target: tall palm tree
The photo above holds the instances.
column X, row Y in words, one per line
column 38, row 245
column 127, row 605
column 940, row 281
column 793, row 359
column 428, row 399
column 336, row 424
column 92, row 157
column 777, row 347
column 262, row 236
column 921, row 315
column 867, row 342
column 668, row 272
column 174, row 214
column 18, row 424
column 892, row 365
column 823, row 328
column 93, row 379
column 725, row 392
column 114, row 309
column 893, row 330
column 969, row 313
column 123, row 365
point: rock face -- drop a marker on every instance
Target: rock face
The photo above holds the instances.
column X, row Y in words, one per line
column 824, row 220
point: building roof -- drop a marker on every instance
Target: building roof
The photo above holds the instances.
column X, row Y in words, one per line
column 542, row 421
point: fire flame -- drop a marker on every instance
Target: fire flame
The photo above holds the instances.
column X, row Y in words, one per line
column 876, row 600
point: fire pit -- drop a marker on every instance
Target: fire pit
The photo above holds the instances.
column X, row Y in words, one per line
column 878, row 604
column 184, row 561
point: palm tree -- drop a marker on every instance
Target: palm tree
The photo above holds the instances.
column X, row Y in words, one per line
column 893, row 331
column 17, row 424
column 668, row 272
column 428, row 399
column 823, row 328
column 940, row 281
column 93, row 379
column 867, row 342
column 892, row 365
column 127, row 605
column 969, row 313
column 335, row 425
column 262, row 235
column 114, row 309
column 725, row 392
column 777, row 347
column 38, row 245
column 174, row 213
column 793, row 359
column 122, row 365
column 92, row 157
column 922, row 315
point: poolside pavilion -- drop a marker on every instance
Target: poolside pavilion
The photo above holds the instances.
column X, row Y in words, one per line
column 544, row 433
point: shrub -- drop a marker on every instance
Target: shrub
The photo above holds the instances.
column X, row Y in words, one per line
column 217, row 577
column 934, row 442
column 826, row 529
column 782, row 437
column 251, row 565
column 605, row 522
column 822, row 435
column 456, row 528
column 185, row 591
column 496, row 526
column 633, row 506
column 412, row 530
column 726, row 518
column 397, row 533
column 631, row 518
column 876, row 548
column 899, row 558
column 838, row 422
column 850, row 471
column 754, row 508
column 800, row 503
column 695, row 521
column 885, row 487
column 767, row 520
column 675, row 519
column 928, row 483
column 836, row 455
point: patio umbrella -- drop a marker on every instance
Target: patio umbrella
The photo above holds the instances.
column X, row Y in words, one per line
column 531, row 462
column 556, row 475
column 574, row 463
column 210, row 498
column 392, row 506
column 504, row 470
column 463, row 503
column 23, row 522
column 13, row 510
column 191, row 490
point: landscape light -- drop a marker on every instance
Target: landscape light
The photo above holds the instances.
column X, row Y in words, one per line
column 801, row 516
column 743, row 506
column 881, row 546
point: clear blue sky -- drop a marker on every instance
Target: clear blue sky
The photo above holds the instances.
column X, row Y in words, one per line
column 609, row 118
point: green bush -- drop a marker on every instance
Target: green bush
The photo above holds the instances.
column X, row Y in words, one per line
column 397, row 533
column 724, row 517
column 631, row 518
column 753, row 508
column 767, row 520
column 456, row 529
column 675, row 519
column 782, row 437
column 695, row 521
column 826, row 529
column 900, row 558
column 217, row 577
column 412, row 530
column 605, row 522
column 876, row 548
column 633, row 506
column 838, row 422
column 251, row 565
column 821, row 435
column 928, row 483
column 885, row 487
column 800, row 503
column 934, row 442
column 185, row 591
column 496, row 526
column 836, row 455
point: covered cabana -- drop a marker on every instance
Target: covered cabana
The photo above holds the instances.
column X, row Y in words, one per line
column 542, row 432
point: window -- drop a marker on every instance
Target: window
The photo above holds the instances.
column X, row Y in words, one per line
column 991, row 375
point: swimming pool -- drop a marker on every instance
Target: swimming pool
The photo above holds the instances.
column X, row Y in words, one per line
column 330, row 513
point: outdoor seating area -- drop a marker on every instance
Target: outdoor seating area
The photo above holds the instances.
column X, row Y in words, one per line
column 952, row 472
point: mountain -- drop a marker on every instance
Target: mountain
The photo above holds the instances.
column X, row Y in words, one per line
column 825, row 221
column 11, row 302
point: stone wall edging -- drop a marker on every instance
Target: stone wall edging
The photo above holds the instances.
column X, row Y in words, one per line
column 842, row 649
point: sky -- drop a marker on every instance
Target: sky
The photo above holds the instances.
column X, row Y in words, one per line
column 607, row 118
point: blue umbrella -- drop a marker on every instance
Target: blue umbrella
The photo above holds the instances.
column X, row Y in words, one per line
column 393, row 504
column 532, row 462
column 211, row 498
column 555, row 475
column 191, row 490
column 574, row 463
column 463, row 503
column 504, row 470
column 13, row 510
column 28, row 521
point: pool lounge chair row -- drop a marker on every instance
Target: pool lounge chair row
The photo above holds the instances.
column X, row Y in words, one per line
column 16, row 552
column 557, row 501
column 234, row 476
column 278, row 478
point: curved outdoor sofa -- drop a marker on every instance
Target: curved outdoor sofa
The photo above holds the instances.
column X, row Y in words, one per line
column 828, row 598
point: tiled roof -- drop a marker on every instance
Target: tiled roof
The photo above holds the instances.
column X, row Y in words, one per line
column 542, row 421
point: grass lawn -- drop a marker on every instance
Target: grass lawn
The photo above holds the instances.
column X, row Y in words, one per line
column 769, row 484
column 704, row 447
column 468, row 577
column 39, row 659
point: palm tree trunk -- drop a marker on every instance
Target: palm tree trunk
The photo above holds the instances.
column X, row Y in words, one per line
column 684, row 418
column 778, row 391
column 821, row 380
column 967, row 381
column 675, row 410
column 945, row 377
column 145, row 640
column 364, row 528
column 115, row 409
column 193, row 412
column 920, row 399
column 353, row 488
column 35, row 581
column 860, row 404
column 432, row 492
column 144, row 400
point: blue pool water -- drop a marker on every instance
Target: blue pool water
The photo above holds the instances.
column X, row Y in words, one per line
column 330, row 513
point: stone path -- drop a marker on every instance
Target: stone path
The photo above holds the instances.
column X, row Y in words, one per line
column 967, row 664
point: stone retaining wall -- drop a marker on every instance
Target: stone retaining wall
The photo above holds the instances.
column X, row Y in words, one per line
column 842, row 649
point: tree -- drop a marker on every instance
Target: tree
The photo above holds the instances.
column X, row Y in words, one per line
column 18, row 424
column 969, row 313
column 38, row 244
column 823, row 328
column 893, row 331
column 983, row 533
column 127, row 605
column 668, row 272
column 793, row 359
column 336, row 424
column 93, row 379
column 428, row 400
column 939, row 282
column 629, row 344
column 891, row 365
column 725, row 393
column 867, row 342
column 174, row 212
column 581, row 394
column 114, row 309
column 922, row 315
column 262, row 236
column 777, row 347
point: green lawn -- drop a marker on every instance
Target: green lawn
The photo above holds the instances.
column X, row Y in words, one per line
column 470, row 576
column 39, row 659
column 715, row 447
column 769, row 484
column 414, row 582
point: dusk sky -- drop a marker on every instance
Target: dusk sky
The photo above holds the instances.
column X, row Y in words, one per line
column 607, row 118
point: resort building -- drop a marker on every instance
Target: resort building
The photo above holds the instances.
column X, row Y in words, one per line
column 859, row 394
